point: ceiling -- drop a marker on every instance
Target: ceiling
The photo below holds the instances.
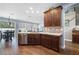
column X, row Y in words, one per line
column 25, row 11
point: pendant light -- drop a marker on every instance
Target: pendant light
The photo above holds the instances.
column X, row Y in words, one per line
column 9, row 23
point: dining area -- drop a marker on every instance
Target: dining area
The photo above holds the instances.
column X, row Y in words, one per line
column 7, row 30
column 6, row 35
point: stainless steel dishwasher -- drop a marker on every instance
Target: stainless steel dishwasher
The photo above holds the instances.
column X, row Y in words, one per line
column 22, row 38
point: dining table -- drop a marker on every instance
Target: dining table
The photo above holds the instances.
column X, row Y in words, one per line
column 8, row 35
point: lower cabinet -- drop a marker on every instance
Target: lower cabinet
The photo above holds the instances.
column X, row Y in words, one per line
column 33, row 38
column 55, row 43
column 46, row 41
column 75, row 36
column 49, row 41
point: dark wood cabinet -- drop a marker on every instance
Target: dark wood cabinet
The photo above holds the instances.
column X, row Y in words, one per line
column 47, row 19
column 46, row 41
column 55, row 43
column 56, row 17
column 53, row 17
column 75, row 36
column 50, row 41
column 33, row 38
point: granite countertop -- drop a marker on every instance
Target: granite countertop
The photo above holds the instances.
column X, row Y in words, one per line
column 57, row 34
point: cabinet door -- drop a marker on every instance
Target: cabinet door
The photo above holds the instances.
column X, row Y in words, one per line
column 37, row 39
column 52, row 18
column 43, row 40
column 33, row 38
column 46, row 41
column 75, row 38
column 55, row 43
column 30, row 39
column 56, row 17
column 47, row 19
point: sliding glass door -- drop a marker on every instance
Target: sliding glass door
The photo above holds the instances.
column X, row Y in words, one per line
column 7, row 29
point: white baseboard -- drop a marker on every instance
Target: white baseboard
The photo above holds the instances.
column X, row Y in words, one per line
column 68, row 40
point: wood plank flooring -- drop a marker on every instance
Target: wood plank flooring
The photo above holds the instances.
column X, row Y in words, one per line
column 12, row 48
column 71, row 48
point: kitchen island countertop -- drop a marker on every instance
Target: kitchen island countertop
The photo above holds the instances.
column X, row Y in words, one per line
column 48, row 33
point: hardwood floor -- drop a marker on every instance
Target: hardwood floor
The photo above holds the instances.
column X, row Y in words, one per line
column 71, row 49
column 12, row 48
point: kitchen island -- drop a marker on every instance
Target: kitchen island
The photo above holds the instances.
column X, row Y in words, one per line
column 46, row 39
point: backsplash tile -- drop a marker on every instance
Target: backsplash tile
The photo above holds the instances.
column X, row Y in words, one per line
column 53, row 29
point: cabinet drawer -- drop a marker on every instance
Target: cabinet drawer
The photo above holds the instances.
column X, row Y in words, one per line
column 46, row 36
column 30, row 36
column 33, row 38
column 46, row 41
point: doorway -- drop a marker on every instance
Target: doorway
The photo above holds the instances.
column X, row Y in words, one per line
column 72, row 29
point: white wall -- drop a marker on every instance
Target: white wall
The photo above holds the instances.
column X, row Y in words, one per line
column 65, row 7
column 68, row 29
column 62, row 22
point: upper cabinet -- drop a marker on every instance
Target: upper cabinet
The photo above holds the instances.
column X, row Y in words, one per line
column 52, row 17
column 47, row 19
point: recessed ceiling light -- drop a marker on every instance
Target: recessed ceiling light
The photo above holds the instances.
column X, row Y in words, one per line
column 31, row 8
column 32, row 11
